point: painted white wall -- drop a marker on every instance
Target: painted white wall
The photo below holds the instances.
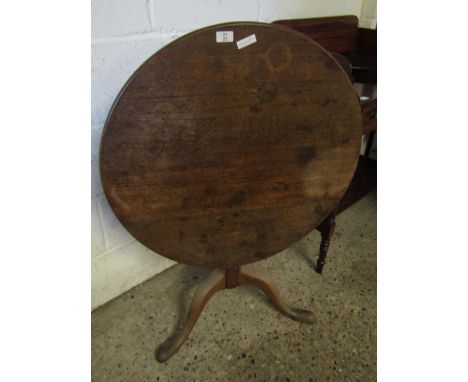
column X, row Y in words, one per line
column 368, row 17
column 124, row 34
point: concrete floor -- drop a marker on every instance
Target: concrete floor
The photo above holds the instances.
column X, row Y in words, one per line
column 240, row 336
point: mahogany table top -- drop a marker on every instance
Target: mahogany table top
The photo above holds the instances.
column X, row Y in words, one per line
column 218, row 156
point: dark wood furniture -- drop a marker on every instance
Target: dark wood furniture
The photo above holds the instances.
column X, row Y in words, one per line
column 219, row 157
column 341, row 35
column 356, row 50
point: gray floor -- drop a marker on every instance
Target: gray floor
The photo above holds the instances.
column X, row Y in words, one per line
column 240, row 336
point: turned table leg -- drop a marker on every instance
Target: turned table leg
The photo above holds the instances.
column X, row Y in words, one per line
column 326, row 230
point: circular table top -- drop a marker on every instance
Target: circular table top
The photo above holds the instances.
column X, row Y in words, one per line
column 218, row 156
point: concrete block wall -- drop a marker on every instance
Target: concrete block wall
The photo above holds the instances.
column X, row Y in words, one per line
column 124, row 34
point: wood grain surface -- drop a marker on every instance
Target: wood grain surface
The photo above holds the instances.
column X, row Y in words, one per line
column 218, row 156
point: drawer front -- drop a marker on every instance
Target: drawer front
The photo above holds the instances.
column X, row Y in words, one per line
column 369, row 116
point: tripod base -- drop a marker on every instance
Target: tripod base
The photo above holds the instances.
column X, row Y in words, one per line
column 230, row 278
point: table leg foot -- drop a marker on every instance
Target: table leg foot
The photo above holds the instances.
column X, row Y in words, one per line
column 267, row 286
column 213, row 283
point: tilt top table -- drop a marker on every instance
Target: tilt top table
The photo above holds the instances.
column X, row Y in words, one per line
column 220, row 154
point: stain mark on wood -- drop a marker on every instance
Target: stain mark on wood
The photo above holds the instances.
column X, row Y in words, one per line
column 319, row 209
column 306, row 154
column 181, row 235
column 278, row 56
column 185, row 202
column 237, row 198
column 305, row 128
column 203, row 238
column 254, row 109
column 267, row 92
